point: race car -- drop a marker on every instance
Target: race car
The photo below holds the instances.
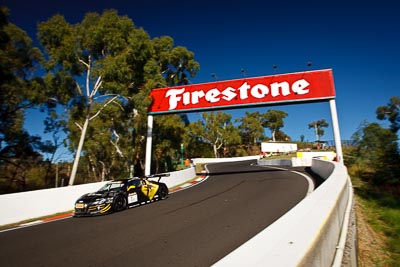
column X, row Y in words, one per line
column 119, row 195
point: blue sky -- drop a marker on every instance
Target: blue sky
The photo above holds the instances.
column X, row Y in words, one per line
column 358, row 40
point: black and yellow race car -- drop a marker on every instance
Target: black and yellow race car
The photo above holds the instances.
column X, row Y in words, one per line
column 119, row 195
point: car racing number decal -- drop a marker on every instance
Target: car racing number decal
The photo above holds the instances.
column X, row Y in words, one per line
column 79, row 205
column 132, row 198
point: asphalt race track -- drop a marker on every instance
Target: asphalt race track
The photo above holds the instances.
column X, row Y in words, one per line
column 194, row 227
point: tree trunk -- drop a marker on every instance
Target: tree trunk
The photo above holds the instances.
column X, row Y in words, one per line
column 316, row 132
column 78, row 152
column 215, row 151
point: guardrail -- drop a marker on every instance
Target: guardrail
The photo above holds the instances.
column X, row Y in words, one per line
column 313, row 233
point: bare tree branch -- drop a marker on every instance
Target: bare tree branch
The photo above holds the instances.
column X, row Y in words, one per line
column 78, row 125
column 79, row 88
column 84, row 63
column 96, row 87
column 116, row 144
column 106, row 104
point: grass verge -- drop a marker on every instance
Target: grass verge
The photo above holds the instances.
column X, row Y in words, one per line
column 378, row 224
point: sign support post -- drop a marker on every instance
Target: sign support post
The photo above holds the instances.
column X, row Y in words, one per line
column 336, row 132
column 149, row 144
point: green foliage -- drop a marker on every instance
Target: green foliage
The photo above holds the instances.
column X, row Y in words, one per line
column 99, row 70
column 22, row 174
column 195, row 145
column 168, row 136
column 374, row 165
column 217, row 130
column 281, row 136
column 120, row 65
column 273, row 119
column 390, row 112
column 377, row 150
column 20, row 89
column 177, row 64
column 251, row 128
column 18, row 86
column 318, row 126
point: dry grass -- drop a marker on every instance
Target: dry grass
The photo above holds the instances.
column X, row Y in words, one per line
column 372, row 246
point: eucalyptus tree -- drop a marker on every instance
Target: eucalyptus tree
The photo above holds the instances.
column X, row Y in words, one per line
column 390, row 112
column 250, row 127
column 273, row 120
column 176, row 63
column 281, row 135
column 217, row 130
column 194, row 143
column 377, row 149
column 169, row 132
column 105, row 61
column 56, row 127
column 20, row 89
column 318, row 128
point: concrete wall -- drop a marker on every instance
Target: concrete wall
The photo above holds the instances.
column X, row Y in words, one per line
column 215, row 160
column 177, row 178
column 276, row 162
column 33, row 204
column 326, row 155
column 301, row 159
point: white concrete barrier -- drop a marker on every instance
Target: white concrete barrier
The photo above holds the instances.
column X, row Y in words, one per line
column 22, row 206
column 178, row 177
column 33, row 204
column 216, row 160
column 326, row 155
column 307, row 235
column 301, row 162
column 301, row 159
column 275, row 162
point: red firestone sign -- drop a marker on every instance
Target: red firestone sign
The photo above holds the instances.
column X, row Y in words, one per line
column 266, row 90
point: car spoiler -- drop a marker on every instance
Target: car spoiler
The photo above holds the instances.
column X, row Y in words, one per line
column 158, row 175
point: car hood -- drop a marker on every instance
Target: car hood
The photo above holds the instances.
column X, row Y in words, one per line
column 92, row 196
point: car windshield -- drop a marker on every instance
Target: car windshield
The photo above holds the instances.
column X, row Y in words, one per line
column 111, row 186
